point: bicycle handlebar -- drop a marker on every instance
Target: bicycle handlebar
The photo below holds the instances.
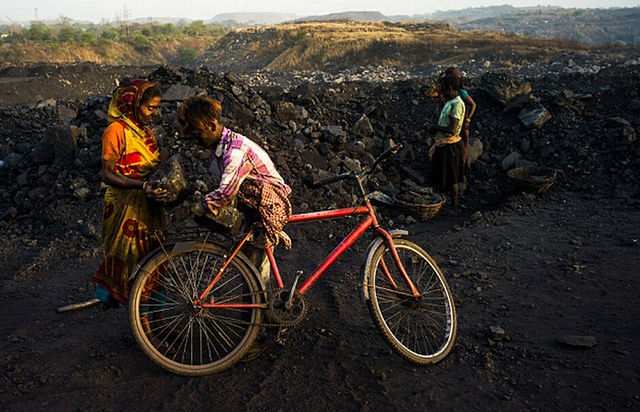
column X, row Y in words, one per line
column 384, row 156
column 317, row 183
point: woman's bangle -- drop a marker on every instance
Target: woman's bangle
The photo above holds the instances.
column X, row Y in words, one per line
column 144, row 186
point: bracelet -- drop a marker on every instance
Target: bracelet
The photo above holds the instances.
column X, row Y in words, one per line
column 144, row 186
column 467, row 120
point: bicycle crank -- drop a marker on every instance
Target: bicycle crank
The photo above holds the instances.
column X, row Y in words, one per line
column 287, row 307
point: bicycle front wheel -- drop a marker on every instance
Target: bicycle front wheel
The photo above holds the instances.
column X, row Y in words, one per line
column 420, row 329
column 178, row 334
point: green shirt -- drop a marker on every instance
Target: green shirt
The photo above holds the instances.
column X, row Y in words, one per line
column 453, row 108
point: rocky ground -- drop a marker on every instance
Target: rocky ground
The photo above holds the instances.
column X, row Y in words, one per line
column 545, row 286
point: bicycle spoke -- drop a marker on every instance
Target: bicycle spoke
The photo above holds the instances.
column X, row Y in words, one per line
column 395, row 292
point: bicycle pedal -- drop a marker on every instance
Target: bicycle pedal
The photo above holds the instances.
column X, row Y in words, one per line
column 281, row 339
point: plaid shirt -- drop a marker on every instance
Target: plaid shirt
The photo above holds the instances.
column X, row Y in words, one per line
column 240, row 158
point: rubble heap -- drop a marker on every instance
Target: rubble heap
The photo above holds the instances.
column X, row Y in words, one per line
column 582, row 124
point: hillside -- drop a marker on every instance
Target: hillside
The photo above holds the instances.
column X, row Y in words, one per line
column 252, row 18
column 337, row 45
column 349, row 15
column 595, row 26
column 592, row 26
column 109, row 53
column 337, row 41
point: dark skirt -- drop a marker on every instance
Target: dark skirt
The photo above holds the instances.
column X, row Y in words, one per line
column 447, row 166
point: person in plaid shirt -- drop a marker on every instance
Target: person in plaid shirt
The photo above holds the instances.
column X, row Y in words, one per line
column 248, row 174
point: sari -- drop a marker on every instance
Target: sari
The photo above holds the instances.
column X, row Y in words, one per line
column 133, row 225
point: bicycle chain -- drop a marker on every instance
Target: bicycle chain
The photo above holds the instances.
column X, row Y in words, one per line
column 268, row 325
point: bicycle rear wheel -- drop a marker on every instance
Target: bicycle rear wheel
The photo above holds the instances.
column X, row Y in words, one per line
column 177, row 334
column 421, row 330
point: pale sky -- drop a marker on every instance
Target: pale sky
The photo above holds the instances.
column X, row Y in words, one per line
column 96, row 11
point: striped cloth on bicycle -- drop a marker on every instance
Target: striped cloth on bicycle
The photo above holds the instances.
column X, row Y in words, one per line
column 273, row 207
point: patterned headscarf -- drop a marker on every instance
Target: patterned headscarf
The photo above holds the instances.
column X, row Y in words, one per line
column 126, row 99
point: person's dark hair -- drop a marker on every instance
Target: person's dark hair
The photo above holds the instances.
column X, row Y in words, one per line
column 451, row 81
column 198, row 112
column 150, row 93
column 453, row 70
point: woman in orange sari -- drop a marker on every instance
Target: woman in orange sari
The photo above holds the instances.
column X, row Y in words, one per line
column 132, row 216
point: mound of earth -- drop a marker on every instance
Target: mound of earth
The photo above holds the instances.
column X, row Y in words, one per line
column 343, row 44
column 33, row 83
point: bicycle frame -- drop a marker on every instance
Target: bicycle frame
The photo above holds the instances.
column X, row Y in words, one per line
column 369, row 221
column 198, row 307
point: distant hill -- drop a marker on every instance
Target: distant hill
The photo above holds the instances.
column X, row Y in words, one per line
column 592, row 26
column 471, row 13
column 253, row 18
column 348, row 15
column 341, row 40
column 162, row 20
column 595, row 26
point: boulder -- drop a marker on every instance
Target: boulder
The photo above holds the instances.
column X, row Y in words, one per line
column 474, row 150
column 61, row 139
column 362, row 127
column 534, row 117
column 504, row 87
column 179, row 92
column 509, row 160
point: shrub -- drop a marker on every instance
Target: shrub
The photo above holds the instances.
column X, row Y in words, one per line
column 112, row 34
column 195, row 28
column 39, row 32
column 67, row 34
column 87, row 37
column 168, row 29
column 141, row 42
column 186, row 55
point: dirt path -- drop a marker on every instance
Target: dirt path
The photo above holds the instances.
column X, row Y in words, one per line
column 541, row 270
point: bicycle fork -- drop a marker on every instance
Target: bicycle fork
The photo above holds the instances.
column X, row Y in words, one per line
column 396, row 258
column 386, row 238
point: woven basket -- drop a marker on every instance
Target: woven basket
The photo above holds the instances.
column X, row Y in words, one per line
column 533, row 179
column 423, row 211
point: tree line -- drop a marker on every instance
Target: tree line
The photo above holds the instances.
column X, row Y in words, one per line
column 92, row 34
column 142, row 37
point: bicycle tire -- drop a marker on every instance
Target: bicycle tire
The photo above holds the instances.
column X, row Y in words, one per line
column 172, row 331
column 420, row 330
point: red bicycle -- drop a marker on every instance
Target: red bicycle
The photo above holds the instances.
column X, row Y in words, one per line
column 197, row 306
